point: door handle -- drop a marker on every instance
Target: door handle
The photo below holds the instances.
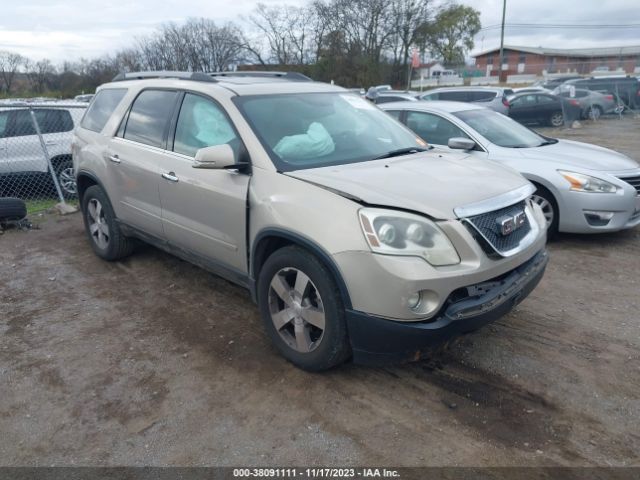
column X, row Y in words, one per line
column 170, row 176
column 51, row 142
column 114, row 158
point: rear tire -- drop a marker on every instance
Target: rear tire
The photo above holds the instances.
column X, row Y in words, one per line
column 302, row 310
column 549, row 206
column 594, row 113
column 103, row 231
column 12, row 209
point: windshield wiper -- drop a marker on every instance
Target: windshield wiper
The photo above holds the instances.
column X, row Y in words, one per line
column 401, row 151
column 549, row 141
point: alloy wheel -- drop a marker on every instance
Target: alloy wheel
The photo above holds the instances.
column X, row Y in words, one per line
column 98, row 226
column 557, row 119
column 67, row 181
column 547, row 208
column 296, row 310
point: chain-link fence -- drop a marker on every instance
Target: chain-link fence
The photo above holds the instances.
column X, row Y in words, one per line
column 35, row 152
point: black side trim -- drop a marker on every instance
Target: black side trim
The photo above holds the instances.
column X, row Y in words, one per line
column 217, row 268
column 306, row 243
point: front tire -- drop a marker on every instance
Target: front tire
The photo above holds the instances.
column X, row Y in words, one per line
column 103, row 231
column 556, row 119
column 67, row 178
column 302, row 310
column 547, row 202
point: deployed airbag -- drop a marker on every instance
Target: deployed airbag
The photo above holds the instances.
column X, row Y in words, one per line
column 315, row 143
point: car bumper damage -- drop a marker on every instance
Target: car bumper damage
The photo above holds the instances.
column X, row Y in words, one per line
column 378, row 341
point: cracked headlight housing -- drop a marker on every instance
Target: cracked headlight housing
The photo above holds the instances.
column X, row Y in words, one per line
column 586, row 183
column 393, row 232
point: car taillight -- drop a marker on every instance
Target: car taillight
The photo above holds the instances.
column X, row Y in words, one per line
column 505, row 102
column 575, row 103
column 610, row 97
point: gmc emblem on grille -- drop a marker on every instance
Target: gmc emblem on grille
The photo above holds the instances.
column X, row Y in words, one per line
column 510, row 223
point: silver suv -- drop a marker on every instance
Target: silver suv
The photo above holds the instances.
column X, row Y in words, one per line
column 21, row 152
column 494, row 98
column 352, row 235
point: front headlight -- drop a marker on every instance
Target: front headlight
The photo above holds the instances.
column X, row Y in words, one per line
column 585, row 183
column 398, row 233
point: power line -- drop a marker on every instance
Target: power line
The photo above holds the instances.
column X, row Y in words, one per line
column 559, row 25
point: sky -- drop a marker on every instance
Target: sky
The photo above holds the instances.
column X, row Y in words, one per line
column 71, row 29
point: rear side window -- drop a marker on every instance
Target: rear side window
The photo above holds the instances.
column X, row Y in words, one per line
column 49, row 121
column 103, row 105
column 481, row 96
column 455, row 96
column 149, row 117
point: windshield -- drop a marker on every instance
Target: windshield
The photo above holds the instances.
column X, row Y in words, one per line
column 501, row 130
column 310, row 130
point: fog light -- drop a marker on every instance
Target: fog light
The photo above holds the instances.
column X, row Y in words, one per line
column 413, row 302
column 598, row 219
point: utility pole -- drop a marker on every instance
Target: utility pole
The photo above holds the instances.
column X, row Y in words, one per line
column 504, row 11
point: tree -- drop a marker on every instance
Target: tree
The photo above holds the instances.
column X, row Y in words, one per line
column 450, row 36
column 9, row 66
column 40, row 74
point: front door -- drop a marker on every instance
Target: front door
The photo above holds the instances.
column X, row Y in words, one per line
column 204, row 211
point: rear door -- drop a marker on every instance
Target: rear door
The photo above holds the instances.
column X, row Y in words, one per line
column 524, row 108
column 204, row 211
column 134, row 158
column 23, row 150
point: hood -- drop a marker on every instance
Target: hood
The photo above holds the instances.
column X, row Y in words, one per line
column 433, row 183
column 578, row 154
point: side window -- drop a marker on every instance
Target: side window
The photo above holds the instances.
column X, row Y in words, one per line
column 394, row 113
column 432, row 128
column 53, row 120
column 149, row 117
column 524, row 101
column 4, row 119
column 482, row 96
column 201, row 123
column 103, row 105
column 430, row 96
column 454, row 96
column 542, row 99
column 22, row 124
column 389, row 99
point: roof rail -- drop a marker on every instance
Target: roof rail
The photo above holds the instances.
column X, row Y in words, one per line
column 292, row 76
column 195, row 76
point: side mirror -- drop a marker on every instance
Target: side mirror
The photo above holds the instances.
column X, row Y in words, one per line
column 215, row 157
column 460, row 143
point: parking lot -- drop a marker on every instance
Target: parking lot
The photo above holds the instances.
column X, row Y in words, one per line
column 153, row 361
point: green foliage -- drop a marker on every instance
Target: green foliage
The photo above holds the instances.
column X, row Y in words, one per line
column 451, row 34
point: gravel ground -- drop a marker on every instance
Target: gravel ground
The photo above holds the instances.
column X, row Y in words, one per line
column 152, row 361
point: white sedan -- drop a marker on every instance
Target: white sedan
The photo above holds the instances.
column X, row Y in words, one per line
column 581, row 188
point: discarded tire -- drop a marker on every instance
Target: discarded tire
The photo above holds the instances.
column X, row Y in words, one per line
column 12, row 209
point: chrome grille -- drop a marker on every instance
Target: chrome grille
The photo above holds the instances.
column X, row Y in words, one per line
column 487, row 225
column 633, row 181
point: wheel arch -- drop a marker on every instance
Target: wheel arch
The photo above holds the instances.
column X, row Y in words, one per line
column 84, row 181
column 269, row 240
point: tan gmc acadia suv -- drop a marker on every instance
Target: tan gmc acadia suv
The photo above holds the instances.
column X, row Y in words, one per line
column 355, row 238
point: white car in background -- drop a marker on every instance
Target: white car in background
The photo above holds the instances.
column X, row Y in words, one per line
column 581, row 188
column 21, row 151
